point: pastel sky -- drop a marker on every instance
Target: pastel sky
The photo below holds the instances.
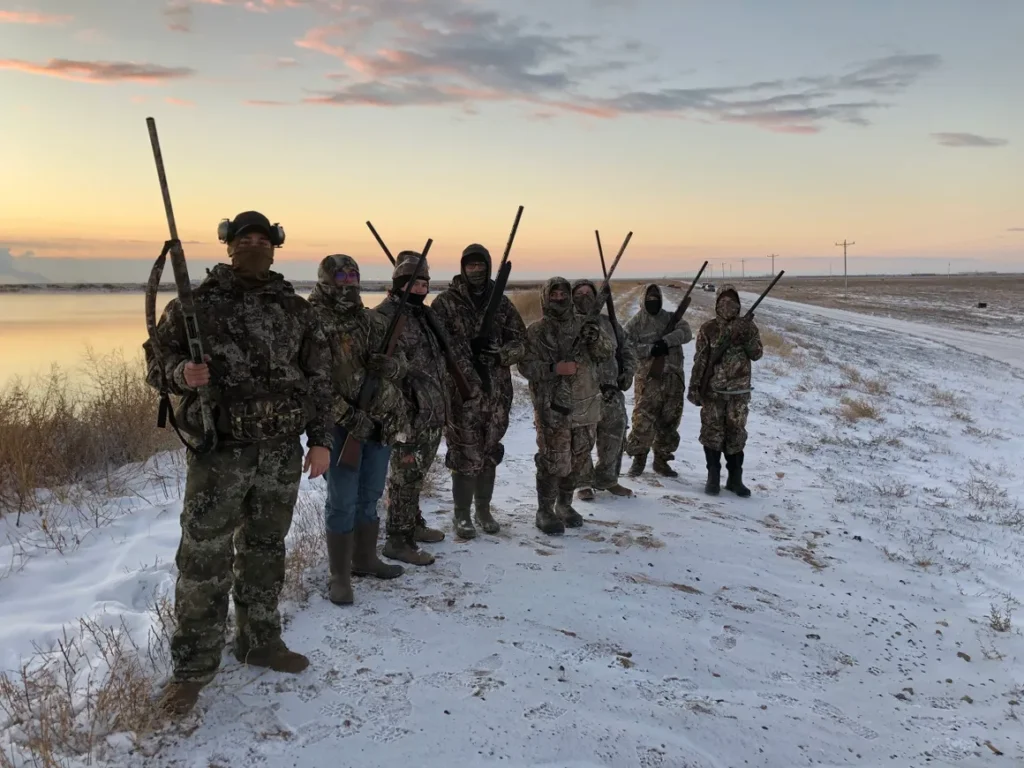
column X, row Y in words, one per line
column 718, row 129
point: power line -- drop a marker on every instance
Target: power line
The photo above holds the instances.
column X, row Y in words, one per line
column 772, row 257
column 846, row 278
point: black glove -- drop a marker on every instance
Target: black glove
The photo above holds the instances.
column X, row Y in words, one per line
column 659, row 348
column 484, row 348
column 625, row 382
column 590, row 331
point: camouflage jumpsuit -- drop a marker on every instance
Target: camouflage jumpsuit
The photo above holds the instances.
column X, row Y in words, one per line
column 475, row 430
column 611, row 429
column 567, row 409
column 425, row 389
column 269, row 382
column 658, row 403
column 725, row 406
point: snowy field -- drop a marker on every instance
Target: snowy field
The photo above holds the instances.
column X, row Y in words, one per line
column 860, row 609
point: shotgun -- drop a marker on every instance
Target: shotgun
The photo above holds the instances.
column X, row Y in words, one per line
column 497, row 292
column 611, row 311
column 723, row 343
column 188, row 310
column 658, row 365
column 449, row 358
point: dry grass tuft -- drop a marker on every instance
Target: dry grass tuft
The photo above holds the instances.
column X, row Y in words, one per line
column 528, row 303
column 854, row 409
column 55, row 434
column 307, row 546
column 64, row 702
column 776, row 343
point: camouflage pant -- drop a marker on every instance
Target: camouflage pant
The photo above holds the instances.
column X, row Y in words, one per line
column 237, row 511
column 611, row 441
column 565, row 452
column 408, row 468
column 474, row 439
column 657, row 411
column 723, row 423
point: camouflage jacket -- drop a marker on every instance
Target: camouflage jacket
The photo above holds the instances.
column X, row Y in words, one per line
column 643, row 329
column 461, row 319
column 269, row 375
column 427, row 384
column 548, row 341
column 355, row 332
column 732, row 373
column 608, row 371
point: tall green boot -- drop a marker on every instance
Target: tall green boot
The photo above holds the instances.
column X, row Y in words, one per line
column 570, row 516
column 484, row 491
column 462, row 494
column 547, row 491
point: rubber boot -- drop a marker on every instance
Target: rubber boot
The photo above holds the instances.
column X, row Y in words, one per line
column 570, row 516
column 734, row 482
column 463, row 487
column 639, row 462
column 364, row 556
column 484, row 491
column 339, row 557
column 424, row 533
column 662, row 468
column 585, row 494
column 714, row 465
column 547, row 520
column 403, row 547
column 179, row 697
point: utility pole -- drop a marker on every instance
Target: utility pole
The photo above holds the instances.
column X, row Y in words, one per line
column 743, row 268
column 723, row 270
column 846, row 278
column 772, row 257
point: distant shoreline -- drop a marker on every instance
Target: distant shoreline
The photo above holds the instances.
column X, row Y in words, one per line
column 514, row 285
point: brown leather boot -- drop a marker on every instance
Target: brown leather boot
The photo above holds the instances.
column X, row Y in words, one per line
column 179, row 697
column 424, row 533
column 619, row 490
column 585, row 494
column 401, row 547
column 364, row 555
column 275, row 656
column 339, row 557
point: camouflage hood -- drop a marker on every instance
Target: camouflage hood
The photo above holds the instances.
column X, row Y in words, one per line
column 725, row 288
column 344, row 299
column 576, row 284
column 475, row 252
column 655, row 289
column 556, row 311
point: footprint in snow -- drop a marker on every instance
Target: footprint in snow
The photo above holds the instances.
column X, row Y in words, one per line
column 727, row 640
column 837, row 715
column 545, row 712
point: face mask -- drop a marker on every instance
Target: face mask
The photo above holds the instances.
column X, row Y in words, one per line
column 584, row 302
column 477, row 280
column 728, row 308
column 348, row 295
column 253, row 261
column 652, row 304
column 417, row 299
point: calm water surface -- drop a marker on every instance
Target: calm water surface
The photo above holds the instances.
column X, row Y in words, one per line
column 43, row 329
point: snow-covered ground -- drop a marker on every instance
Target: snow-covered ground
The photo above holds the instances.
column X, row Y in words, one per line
column 857, row 610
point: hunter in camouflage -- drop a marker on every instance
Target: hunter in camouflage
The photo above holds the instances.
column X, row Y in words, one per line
column 563, row 352
column 355, row 337
column 611, row 429
column 270, row 382
column 475, row 431
column 425, row 389
column 724, row 407
column 657, row 402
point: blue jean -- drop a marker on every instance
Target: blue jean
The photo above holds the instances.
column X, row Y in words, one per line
column 352, row 494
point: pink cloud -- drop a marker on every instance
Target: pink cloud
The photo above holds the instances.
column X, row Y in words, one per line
column 179, row 102
column 265, row 103
column 99, row 71
column 28, row 17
